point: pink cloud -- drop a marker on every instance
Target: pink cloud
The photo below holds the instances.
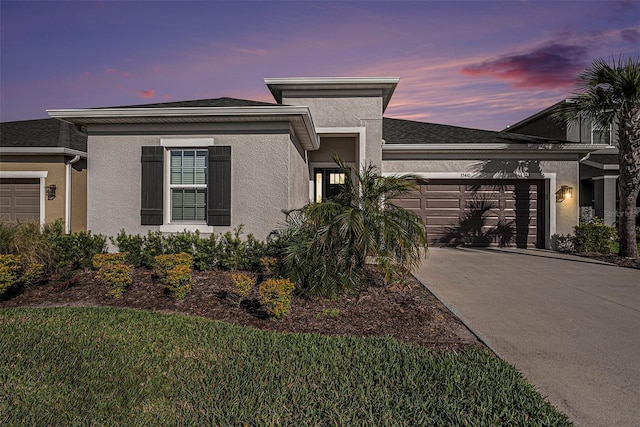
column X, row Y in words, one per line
column 167, row 97
column 551, row 66
column 147, row 93
column 111, row 71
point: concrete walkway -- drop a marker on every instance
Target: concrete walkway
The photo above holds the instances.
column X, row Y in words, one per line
column 571, row 327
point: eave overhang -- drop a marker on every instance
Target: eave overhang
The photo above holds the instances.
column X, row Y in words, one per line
column 531, row 151
column 386, row 85
column 41, row 151
column 299, row 117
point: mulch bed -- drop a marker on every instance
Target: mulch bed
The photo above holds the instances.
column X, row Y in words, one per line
column 410, row 313
column 613, row 259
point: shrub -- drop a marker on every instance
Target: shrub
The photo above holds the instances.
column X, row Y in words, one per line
column 326, row 244
column 174, row 272
column 237, row 254
column 131, row 244
column 208, row 254
column 116, row 277
column 113, row 272
column 595, row 236
column 27, row 240
column 275, row 296
column 75, row 250
column 243, row 284
column 99, row 260
column 182, row 242
column 563, row 243
column 270, row 266
column 17, row 271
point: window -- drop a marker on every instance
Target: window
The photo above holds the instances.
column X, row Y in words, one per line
column 600, row 135
column 328, row 183
column 188, row 185
column 186, row 182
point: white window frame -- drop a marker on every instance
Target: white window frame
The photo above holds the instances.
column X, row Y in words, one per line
column 182, row 144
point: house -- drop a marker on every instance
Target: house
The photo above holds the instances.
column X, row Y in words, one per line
column 215, row 164
column 43, row 173
column 598, row 191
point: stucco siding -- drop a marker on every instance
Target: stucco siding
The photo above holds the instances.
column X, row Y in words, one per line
column 340, row 112
column 298, row 179
column 260, row 173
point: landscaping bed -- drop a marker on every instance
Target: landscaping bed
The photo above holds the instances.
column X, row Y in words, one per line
column 408, row 313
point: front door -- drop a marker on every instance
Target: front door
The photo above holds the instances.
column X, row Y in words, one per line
column 328, row 182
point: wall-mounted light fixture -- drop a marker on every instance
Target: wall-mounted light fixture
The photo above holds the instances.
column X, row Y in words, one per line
column 51, row 191
column 565, row 192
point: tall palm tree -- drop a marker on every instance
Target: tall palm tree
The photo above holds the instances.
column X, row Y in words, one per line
column 608, row 94
column 327, row 243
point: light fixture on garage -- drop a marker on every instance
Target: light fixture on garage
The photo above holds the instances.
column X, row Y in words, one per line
column 51, row 192
column 565, row 192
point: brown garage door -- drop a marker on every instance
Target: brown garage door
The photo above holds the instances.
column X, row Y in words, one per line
column 480, row 212
column 19, row 199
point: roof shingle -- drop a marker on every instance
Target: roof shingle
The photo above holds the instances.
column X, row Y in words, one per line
column 42, row 133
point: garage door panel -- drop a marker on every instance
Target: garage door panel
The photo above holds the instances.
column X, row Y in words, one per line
column 20, row 201
column 461, row 211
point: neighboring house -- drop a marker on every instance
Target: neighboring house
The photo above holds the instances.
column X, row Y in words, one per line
column 43, row 173
column 598, row 170
column 215, row 164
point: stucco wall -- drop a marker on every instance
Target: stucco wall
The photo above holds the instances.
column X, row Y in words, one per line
column 261, row 169
column 563, row 172
column 345, row 147
column 348, row 112
column 79, row 196
column 298, row 179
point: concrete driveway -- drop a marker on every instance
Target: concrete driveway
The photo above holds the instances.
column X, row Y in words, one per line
column 571, row 327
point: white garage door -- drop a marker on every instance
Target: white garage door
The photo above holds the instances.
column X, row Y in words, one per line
column 480, row 212
column 19, row 199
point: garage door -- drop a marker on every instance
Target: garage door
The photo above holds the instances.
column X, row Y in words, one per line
column 480, row 212
column 19, row 199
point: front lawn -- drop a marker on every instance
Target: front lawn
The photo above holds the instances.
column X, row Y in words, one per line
column 108, row 366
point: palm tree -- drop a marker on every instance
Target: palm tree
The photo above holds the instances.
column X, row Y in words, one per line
column 608, row 94
column 327, row 243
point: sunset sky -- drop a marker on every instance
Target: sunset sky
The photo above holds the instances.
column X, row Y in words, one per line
column 483, row 64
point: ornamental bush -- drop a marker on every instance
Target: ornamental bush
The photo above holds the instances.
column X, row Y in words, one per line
column 275, row 296
column 243, row 284
column 174, row 272
column 595, row 236
column 18, row 271
column 100, row 260
column 116, row 277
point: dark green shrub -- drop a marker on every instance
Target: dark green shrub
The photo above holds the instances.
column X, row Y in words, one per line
column 238, row 254
column 74, row 250
column 141, row 249
column 184, row 241
column 595, row 236
column 133, row 245
column 174, row 272
column 208, row 254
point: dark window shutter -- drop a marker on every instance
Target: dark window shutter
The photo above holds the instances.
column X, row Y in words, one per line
column 152, row 179
column 219, row 186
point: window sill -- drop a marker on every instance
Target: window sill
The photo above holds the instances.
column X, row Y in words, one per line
column 177, row 228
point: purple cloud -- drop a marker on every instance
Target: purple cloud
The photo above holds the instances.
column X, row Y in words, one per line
column 631, row 36
column 551, row 66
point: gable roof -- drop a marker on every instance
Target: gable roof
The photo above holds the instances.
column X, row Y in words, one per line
column 212, row 102
column 398, row 131
column 42, row 133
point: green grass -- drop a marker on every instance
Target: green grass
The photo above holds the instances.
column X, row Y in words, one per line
column 106, row 366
